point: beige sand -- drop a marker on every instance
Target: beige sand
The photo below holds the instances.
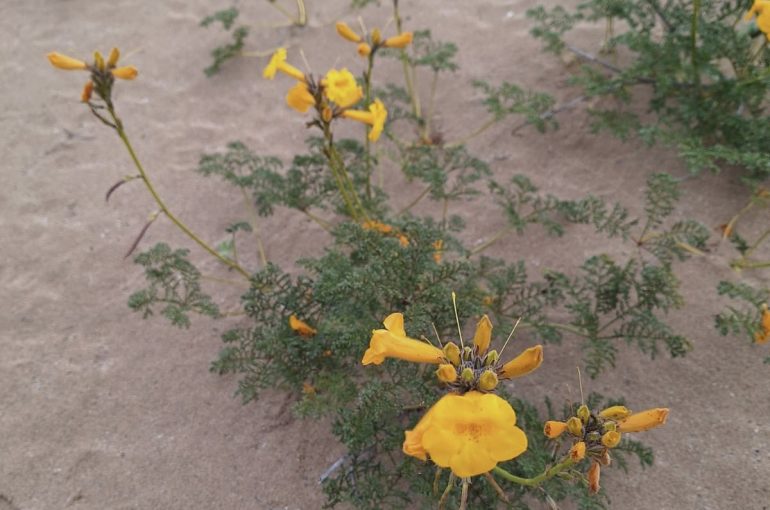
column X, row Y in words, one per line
column 99, row 410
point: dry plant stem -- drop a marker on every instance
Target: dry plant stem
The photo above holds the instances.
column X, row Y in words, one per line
column 254, row 225
column 436, row 479
column 534, row 482
column 118, row 125
column 464, row 495
column 409, row 78
column 500, row 492
column 492, row 240
column 447, row 490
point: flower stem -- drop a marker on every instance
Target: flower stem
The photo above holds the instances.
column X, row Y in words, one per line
column 542, row 477
column 255, row 225
column 414, row 202
column 447, row 490
column 176, row 221
column 462, row 141
column 409, row 78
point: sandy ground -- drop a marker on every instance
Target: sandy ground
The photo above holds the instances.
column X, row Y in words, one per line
column 99, row 410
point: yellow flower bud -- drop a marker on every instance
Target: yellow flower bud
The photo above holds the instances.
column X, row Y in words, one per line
column 99, row 61
column 327, row 114
column 88, row 89
column 611, row 439
column 125, row 73
column 644, row 421
column 488, row 381
column 609, row 425
column 376, row 37
column 615, row 413
column 400, row 41
column 344, row 30
column 452, row 353
column 113, row 59
column 554, row 429
column 301, row 327
column 65, row 62
column 594, row 472
column 583, row 413
column 491, row 358
column 446, row 373
column 575, row 426
column 467, row 353
column 467, row 375
column 578, row 451
column 523, row 364
column 483, row 336
column 364, row 49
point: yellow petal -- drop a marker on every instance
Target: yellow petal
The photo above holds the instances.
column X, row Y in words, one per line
column 300, row 98
column 65, row 62
column 125, row 73
column 301, row 327
column 483, row 335
column 380, row 115
column 452, row 353
column 98, row 61
column 292, row 71
column 392, row 342
column 271, row 68
column 395, row 324
column 113, row 59
column 578, row 451
column 346, row 32
column 400, row 41
column 554, row 429
column 615, row 413
column 644, row 421
column 341, row 88
column 523, row 364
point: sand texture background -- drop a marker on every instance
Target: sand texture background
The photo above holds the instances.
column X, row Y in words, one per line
column 101, row 410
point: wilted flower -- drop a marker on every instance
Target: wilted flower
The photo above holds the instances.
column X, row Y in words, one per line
column 763, row 334
column 301, row 327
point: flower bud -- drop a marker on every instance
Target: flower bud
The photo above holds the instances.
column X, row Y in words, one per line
column 467, row 353
column 376, row 37
column 554, row 429
column 65, row 62
column 609, row 426
column 583, row 413
column 593, row 436
column 399, row 41
column 491, row 358
column 488, row 381
column 523, row 364
column 611, row 439
column 446, row 373
column 88, row 89
column 578, row 451
column 452, row 353
column 594, row 472
column 467, row 375
column 615, row 413
column 483, row 336
column 364, row 49
column 575, row 426
column 644, row 421
column 326, row 114
column 99, row 61
column 346, row 32
column 125, row 72
column 113, row 58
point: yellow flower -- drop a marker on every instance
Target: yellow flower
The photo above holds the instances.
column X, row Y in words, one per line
column 403, row 240
column 278, row 63
column 643, row 421
column 300, row 98
column 446, row 373
column 523, row 364
column 469, row 434
column 301, row 327
column 611, row 439
column 392, row 342
column 578, row 451
column 65, row 62
column 483, row 335
column 346, row 32
column 88, row 89
column 554, row 429
column 615, row 413
column 341, row 88
column 761, row 9
column 400, row 41
column 375, row 117
column 308, row 389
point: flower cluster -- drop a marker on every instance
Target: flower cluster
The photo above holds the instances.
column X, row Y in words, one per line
column 103, row 73
column 368, row 46
column 332, row 96
column 385, row 229
column 761, row 9
column 595, row 434
column 469, row 430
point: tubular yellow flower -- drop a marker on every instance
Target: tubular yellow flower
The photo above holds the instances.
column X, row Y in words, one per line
column 341, row 88
column 554, row 429
column 611, row 439
column 278, row 63
column 364, row 49
column 346, row 32
column 113, row 58
column 523, row 364
column 375, row 117
column 301, row 327
column 392, row 342
column 469, row 434
column 446, row 373
column 488, row 381
column 644, row 420
column 400, row 41
column 483, row 335
column 300, row 98
column 125, row 72
column 452, row 353
column 594, row 472
column 615, row 413
column 578, row 451
column 65, row 62
column 88, row 90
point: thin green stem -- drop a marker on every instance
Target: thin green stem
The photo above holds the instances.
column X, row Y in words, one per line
column 176, row 221
column 462, row 141
column 409, row 78
column 367, row 128
column 492, row 240
column 320, row 221
column 431, row 104
column 414, row 202
column 300, row 19
column 534, row 482
column 694, row 40
column 254, row 225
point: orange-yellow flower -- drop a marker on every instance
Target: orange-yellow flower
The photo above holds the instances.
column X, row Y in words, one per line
column 301, row 327
column 400, row 41
column 554, row 429
column 578, row 451
column 523, row 364
column 392, row 342
column 611, row 439
column 65, row 62
column 467, row 433
column 594, row 472
column 364, row 49
column 278, row 63
column 300, row 98
column 72, row 64
column 761, row 9
column 344, row 30
column 378, row 226
column 644, row 420
column 483, row 335
column 438, row 246
column 763, row 334
column 341, row 88
column 375, row 117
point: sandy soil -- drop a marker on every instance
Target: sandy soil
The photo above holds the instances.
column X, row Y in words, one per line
column 101, row 410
